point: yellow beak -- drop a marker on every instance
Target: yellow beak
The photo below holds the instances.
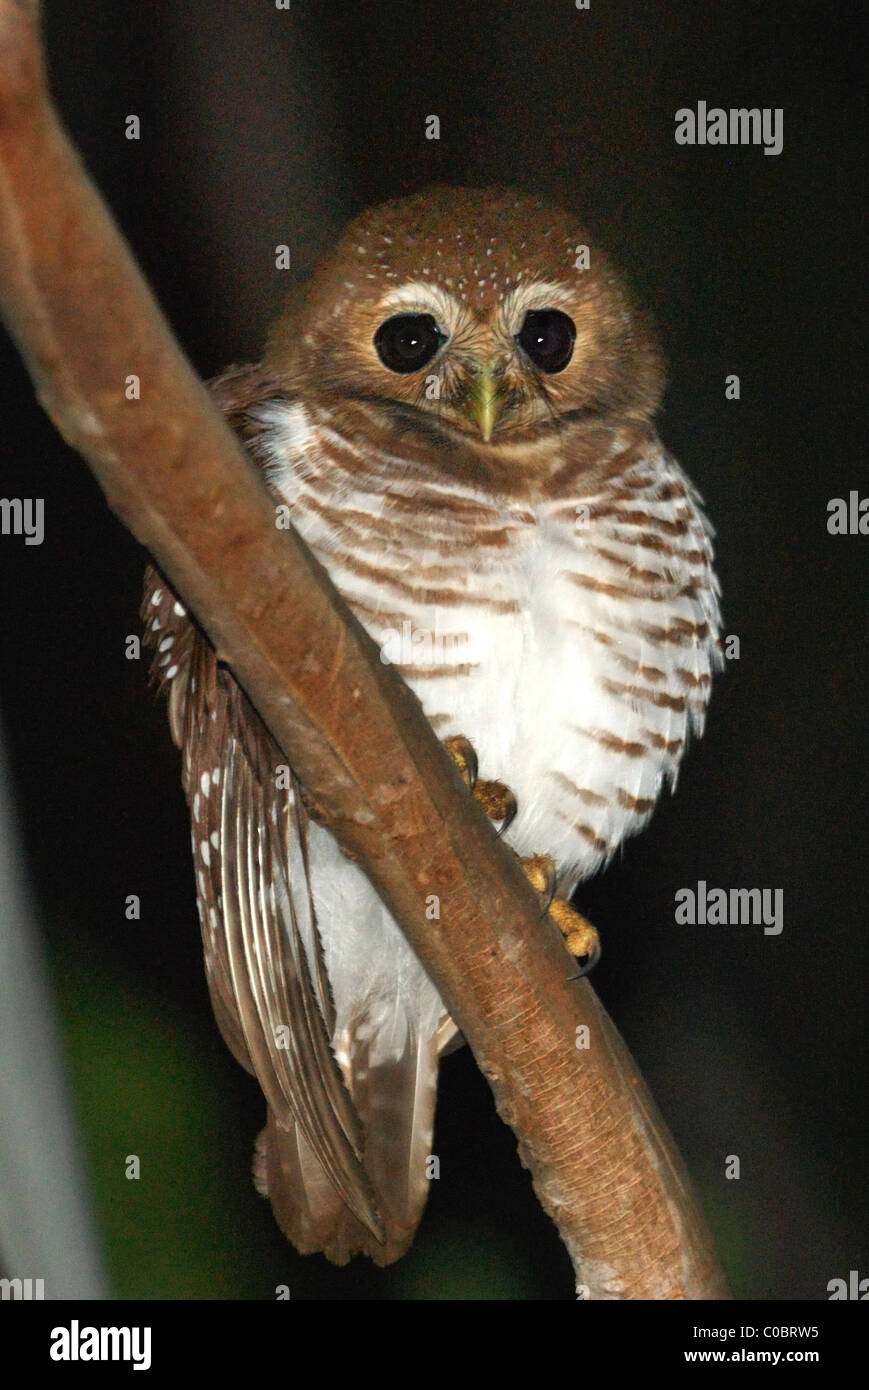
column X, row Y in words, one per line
column 483, row 399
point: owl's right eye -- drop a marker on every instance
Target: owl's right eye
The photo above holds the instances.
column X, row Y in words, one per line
column 408, row 342
column 547, row 337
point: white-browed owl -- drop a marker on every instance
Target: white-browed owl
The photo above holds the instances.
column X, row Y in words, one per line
column 459, row 421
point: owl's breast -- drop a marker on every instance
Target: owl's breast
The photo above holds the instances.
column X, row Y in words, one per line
column 571, row 641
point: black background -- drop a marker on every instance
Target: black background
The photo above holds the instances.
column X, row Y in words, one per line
column 261, row 126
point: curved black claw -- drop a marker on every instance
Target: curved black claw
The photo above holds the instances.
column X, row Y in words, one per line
column 462, row 752
column 512, row 810
column 498, row 802
column 591, row 961
column 541, row 873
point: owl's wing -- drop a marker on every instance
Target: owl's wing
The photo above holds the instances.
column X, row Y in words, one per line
column 343, row 1156
column 263, row 956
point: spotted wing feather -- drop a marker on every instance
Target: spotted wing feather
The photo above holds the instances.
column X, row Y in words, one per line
column 262, row 949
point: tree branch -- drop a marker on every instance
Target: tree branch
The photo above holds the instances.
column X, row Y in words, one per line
column 603, row 1164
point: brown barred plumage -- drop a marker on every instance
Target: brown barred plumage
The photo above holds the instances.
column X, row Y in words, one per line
column 508, row 526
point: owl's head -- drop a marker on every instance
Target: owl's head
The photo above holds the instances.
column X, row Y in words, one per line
column 480, row 312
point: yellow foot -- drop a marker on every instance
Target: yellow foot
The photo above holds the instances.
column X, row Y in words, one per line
column 580, row 937
column 499, row 803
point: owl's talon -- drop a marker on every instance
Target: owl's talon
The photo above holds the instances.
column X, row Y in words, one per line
column 461, row 750
column 498, row 802
column 580, row 937
column 540, row 871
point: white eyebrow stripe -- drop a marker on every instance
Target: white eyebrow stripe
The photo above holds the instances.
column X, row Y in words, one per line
column 422, row 297
column 534, row 294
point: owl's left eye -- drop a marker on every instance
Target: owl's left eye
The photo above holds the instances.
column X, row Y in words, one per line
column 547, row 336
column 408, row 342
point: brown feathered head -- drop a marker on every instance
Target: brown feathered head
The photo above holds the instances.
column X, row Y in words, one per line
column 486, row 310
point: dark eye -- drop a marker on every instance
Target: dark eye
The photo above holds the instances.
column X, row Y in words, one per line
column 408, row 342
column 547, row 337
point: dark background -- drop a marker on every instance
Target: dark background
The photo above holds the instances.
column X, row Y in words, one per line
column 259, row 127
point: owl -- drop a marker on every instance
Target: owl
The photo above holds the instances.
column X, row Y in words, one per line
column 458, row 418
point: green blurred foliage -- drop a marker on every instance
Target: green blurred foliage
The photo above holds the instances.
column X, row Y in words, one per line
column 151, row 1082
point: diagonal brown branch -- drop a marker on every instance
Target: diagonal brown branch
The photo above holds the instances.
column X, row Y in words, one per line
column 603, row 1164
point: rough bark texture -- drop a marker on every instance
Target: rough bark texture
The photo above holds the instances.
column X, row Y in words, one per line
column 603, row 1164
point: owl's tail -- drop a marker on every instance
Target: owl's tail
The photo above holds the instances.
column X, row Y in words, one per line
column 395, row 1101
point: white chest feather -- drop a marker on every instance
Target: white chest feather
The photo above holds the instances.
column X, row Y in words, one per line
column 571, row 641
